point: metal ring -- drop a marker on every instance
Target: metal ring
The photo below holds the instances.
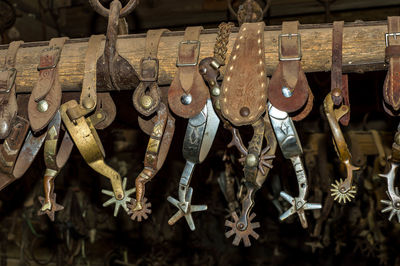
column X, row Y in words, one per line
column 105, row 12
column 266, row 7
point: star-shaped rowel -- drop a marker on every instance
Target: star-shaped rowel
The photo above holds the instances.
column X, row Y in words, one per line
column 298, row 206
column 119, row 203
column 393, row 207
column 185, row 209
column 51, row 208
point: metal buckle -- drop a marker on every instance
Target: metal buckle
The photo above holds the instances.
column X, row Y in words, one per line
column 12, row 73
column 290, row 35
column 387, row 35
column 56, row 58
column 179, row 64
column 151, row 68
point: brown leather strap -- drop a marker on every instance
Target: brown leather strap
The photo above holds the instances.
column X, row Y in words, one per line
column 146, row 97
column 391, row 87
column 288, row 90
column 88, row 98
column 88, row 95
column 244, row 89
column 188, row 92
column 46, row 95
column 338, row 80
column 336, row 69
column 8, row 100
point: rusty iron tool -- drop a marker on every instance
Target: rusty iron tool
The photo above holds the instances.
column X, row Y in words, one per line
column 343, row 190
column 200, row 133
column 290, row 145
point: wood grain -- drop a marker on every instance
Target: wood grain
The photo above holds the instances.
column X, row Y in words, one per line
column 363, row 50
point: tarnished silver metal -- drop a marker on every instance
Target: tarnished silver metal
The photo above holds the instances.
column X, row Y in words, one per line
column 393, row 193
column 290, row 145
column 119, row 202
column 199, row 137
column 186, row 99
column 42, row 106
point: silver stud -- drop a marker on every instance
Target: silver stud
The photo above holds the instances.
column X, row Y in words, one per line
column 42, row 106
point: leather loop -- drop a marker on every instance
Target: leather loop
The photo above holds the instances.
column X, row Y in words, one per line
column 188, row 93
column 148, row 76
column 289, row 90
column 46, row 95
column 391, row 87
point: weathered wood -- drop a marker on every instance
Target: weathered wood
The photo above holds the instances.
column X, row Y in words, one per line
column 363, row 50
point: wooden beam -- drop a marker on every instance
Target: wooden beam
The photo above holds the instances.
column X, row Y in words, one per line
column 363, row 50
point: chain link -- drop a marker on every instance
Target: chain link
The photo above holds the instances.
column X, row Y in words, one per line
column 221, row 43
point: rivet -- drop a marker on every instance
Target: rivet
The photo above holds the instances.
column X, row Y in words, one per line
column 251, row 160
column 215, row 91
column 244, row 111
column 146, row 101
column 186, row 99
column 42, row 106
column 287, row 92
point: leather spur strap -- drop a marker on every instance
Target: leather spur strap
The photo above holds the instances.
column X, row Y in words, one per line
column 13, row 127
column 288, row 90
column 8, row 99
column 46, row 95
column 391, row 87
column 339, row 82
column 188, row 93
column 147, row 96
column 244, row 89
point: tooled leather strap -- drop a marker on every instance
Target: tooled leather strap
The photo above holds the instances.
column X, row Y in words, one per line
column 391, row 87
column 338, row 80
column 8, row 99
column 146, row 97
column 188, row 93
column 288, row 90
column 244, row 89
column 46, row 95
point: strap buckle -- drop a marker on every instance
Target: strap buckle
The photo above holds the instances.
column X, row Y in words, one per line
column 7, row 83
column 290, row 35
column 195, row 57
column 49, row 58
column 387, row 35
column 149, row 69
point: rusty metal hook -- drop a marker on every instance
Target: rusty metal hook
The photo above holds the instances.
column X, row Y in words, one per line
column 233, row 12
column 105, row 12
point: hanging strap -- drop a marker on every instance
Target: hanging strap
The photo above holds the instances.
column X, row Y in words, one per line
column 8, row 99
column 46, row 95
column 391, row 87
column 147, row 96
column 289, row 90
column 188, row 93
column 339, row 82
